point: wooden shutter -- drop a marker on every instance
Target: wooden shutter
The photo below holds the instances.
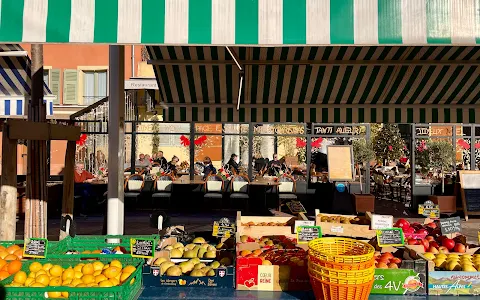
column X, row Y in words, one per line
column 70, row 86
column 55, row 84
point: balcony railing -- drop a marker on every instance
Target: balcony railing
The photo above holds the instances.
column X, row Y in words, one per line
column 89, row 100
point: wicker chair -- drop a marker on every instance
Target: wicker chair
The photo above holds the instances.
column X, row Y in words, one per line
column 239, row 188
column 162, row 189
column 286, row 190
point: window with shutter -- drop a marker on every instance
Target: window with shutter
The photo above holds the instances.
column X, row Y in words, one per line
column 70, row 87
column 55, row 84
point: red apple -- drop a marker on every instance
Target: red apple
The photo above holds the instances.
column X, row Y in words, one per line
column 425, row 244
column 422, row 231
column 434, row 244
column 443, row 250
column 382, row 265
column 396, row 260
column 459, row 248
column 384, row 260
column 392, row 266
column 432, row 225
column 448, row 243
column 429, row 238
column 413, row 242
column 432, row 250
column 401, row 223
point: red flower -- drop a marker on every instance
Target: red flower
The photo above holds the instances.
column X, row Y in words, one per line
column 317, row 143
column 184, row 141
column 390, row 148
column 81, row 141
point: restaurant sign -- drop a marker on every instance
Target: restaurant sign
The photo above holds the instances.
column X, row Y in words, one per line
column 339, row 130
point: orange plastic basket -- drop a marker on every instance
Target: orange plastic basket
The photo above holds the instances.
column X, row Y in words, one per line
column 333, row 291
column 341, row 273
column 341, row 250
column 342, row 266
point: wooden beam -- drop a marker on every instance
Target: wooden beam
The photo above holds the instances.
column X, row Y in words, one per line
column 68, row 186
column 166, row 62
column 39, row 131
column 8, row 190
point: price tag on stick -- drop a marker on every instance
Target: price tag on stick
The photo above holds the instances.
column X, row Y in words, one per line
column 306, row 234
column 382, row 222
column 450, row 225
column 390, row 237
column 299, row 223
column 35, row 247
column 143, row 248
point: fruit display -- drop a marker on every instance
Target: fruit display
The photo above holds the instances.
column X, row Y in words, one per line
column 416, row 229
column 95, row 274
column 192, row 267
column 265, row 224
column 454, row 261
column 270, row 242
column 199, row 248
column 12, row 252
column 343, row 219
column 387, row 260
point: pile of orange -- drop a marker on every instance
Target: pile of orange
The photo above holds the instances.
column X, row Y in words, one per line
column 11, row 253
column 94, row 274
column 9, row 268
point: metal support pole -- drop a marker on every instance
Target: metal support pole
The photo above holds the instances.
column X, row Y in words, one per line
column 473, row 163
column 116, row 135
column 367, row 167
column 250, row 151
column 192, row 150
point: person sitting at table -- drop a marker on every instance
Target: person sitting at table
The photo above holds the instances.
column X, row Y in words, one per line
column 208, row 168
column 172, row 165
column 232, row 164
column 141, row 162
column 161, row 160
column 82, row 188
column 274, row 166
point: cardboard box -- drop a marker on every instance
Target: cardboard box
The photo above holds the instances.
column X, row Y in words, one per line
column 224, row 276
column 449, row 282
column 248, row 225
column 341, row 229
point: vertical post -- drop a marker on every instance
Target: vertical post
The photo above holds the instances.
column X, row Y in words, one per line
column 8, row 190
column 192, row 150
column 116, row 134
column 367, row 167
column 68, row 187
column 250, row 150
column 473, row 163
column 36, row 202
column 308, row 151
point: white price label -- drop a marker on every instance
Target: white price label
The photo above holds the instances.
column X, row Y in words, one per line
column 382, row 221
column 299, row 223
column 337, row 229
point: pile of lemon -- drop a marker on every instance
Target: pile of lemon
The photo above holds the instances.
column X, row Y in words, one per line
column 95, row 274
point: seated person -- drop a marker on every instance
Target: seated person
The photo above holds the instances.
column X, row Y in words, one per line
column 233, row 164
column 208, row 168
column 172, row 165
column 161, row 160
column 81, row 188
column 141, row 162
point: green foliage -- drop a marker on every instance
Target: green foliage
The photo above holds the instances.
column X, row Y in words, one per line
column 435, row 154
column 362, row 151
column 388, row 143
column 156, row 136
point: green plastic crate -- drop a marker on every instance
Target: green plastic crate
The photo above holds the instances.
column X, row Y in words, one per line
column 50, row 247
column 94, row 242
column 125, row 291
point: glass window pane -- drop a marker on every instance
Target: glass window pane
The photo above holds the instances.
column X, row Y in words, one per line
column 102, row 84
column 46, row 77
column 89, row 87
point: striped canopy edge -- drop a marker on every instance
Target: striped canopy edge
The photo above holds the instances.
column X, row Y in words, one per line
column 242, row 22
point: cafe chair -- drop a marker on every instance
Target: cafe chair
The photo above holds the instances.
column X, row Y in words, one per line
column 133, row 187
column 127, row 172
column 286, row 190
column 162, row 189
column 214, row 187
column 239, row 187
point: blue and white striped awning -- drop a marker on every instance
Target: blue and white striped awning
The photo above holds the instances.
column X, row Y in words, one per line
column 15, row 83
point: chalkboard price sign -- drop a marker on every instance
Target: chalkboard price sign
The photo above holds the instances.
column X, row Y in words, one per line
column 472, row 198
column 429, row 210
column 450, row 225
column 390, row 237
column 296, row 207
column 221, row 229
column 306, row 234
column 143, row 248
column 35, row 247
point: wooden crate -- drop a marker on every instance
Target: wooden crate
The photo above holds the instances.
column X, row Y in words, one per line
column 259, row 231
column 345, row 230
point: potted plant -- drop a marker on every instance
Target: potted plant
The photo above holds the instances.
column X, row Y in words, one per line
column 442, row 155
column 362, row 155
column 388, row 144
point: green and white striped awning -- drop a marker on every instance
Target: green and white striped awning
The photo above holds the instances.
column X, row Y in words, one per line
column 320, row 84
column 242, row 22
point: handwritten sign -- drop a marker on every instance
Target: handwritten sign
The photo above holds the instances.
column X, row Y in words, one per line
column 223, row 230
column 429, row 210
column 306, row 234
column 143, row 248
column 382, row 221
column 296, row 207
column 299, row 223
column 390, row 237
column 450, row 225
column 35, row 247
column 340, row 163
